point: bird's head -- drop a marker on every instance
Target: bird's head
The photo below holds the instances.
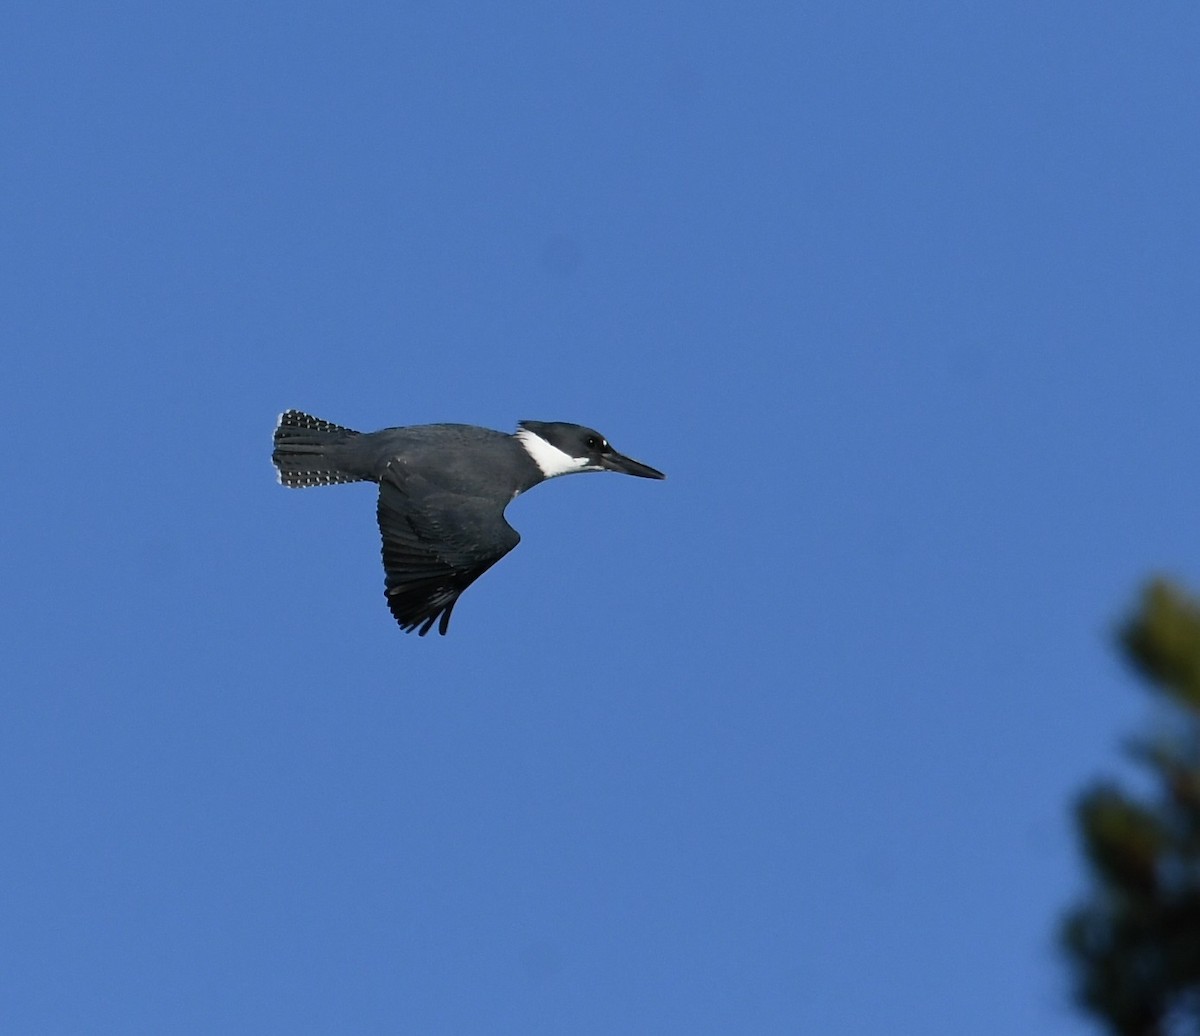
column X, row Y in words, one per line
column 559, row 448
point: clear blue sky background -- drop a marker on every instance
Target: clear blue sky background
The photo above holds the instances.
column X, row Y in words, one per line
column 904, row 301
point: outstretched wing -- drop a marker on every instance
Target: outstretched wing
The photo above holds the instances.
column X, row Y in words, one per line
column 435, row 545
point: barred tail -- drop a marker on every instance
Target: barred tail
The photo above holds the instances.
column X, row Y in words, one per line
column 302, row 445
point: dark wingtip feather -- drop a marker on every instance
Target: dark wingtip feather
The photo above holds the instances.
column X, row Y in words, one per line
column 415, row 613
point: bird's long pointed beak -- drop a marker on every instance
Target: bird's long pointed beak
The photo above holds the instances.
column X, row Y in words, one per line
column 628, row 466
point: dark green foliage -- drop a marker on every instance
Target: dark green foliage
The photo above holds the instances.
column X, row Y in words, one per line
column 1134, row 943
column 1164, row 641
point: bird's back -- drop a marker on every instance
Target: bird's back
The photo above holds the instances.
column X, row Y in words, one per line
column 459, row 458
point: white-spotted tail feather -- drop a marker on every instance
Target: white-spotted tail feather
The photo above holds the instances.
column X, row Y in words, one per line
column 300, row 455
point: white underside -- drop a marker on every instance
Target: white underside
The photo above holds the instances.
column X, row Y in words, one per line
column 550, row 458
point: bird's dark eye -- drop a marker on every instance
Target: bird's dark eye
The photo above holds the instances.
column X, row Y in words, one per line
column 593, row 443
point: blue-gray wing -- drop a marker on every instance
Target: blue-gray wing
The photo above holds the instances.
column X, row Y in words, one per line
column 436, row 543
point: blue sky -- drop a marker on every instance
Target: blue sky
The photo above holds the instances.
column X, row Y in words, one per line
column 904, row 302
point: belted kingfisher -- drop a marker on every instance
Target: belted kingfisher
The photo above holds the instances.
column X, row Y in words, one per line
column 443, row 489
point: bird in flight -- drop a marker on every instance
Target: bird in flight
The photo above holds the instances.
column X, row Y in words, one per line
column 443, row 489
